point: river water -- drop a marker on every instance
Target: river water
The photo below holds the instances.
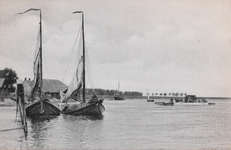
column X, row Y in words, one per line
column 129, row 124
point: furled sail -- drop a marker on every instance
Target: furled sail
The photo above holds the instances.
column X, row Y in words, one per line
column 36, row 92
column 73, row 91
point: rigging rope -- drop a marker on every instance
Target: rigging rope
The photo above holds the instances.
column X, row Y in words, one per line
column 48, row 73
column 37, row 45
column 72, row 53
column 35, row 64
column 89, row 73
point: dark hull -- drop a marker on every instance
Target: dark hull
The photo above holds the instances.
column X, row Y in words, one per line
column 119, row 98
column 211, row 103
column 164, row 104
column 34, row 109
column 150, row 100
column 84, row 109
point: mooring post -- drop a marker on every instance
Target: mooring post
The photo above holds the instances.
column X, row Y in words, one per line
column 21, row 101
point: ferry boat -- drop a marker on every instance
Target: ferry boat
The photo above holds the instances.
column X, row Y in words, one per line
column 192, row 100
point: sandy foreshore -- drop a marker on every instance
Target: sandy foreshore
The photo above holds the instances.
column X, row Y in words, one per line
column 8, row 102
column 11, row 132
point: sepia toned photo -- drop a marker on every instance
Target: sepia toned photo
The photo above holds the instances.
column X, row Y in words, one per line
column 115, row 74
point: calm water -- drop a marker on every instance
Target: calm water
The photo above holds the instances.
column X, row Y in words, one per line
column 129, row 124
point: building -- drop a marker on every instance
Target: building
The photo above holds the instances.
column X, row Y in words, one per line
column 51, row 87
column 27, row 84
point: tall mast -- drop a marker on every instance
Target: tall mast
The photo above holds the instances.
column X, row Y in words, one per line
column 84, row 85
column 41, row 68
column 118, row 86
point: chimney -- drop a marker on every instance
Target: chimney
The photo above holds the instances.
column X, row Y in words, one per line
column 29, row 79
column 25, row 79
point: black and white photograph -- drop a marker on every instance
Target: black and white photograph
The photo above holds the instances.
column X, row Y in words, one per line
column 115, row 74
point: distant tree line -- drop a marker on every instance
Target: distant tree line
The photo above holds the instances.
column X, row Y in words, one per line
column 112, row 92
column 169, row 94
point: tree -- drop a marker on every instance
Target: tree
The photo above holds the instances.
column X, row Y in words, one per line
column 10, row 77
column 177, row 94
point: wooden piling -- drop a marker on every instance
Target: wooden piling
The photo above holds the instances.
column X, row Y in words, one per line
column 21, row 107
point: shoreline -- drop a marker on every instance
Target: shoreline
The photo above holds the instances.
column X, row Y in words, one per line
column 10, row 102
column 159, row 97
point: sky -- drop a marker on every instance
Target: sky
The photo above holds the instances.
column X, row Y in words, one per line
column 163, row 46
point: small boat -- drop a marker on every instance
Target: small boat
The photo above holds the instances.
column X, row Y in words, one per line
column 117, row 96
column 81, row 106
column 211, row 103
column 159, row 103
column 164, row 104
column 191, row 104
column 149, row 100
column 191, row 100
column 39, row 105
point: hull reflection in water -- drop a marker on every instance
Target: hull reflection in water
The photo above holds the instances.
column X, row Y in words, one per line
column 63, row 131
column 82, row 117
column 35, row 119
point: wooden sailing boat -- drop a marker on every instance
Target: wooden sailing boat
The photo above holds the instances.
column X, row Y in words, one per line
column 117, row 96
column 40, row 105
column 82, row 106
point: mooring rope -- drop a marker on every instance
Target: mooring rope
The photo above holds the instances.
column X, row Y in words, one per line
column 78, row 34
column 11, row 129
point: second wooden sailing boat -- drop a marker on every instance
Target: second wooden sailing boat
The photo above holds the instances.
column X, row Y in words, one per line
column 39, row 105
column 117, row 96
column 83, row 107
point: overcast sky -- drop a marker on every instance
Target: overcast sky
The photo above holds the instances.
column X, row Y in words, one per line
column 160, row 45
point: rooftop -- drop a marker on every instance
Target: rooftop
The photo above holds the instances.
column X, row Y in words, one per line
column 50, row 85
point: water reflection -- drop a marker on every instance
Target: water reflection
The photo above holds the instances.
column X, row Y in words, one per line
column 42, row 118
column 57, row 132
column 73, row 118
column 40, row 127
